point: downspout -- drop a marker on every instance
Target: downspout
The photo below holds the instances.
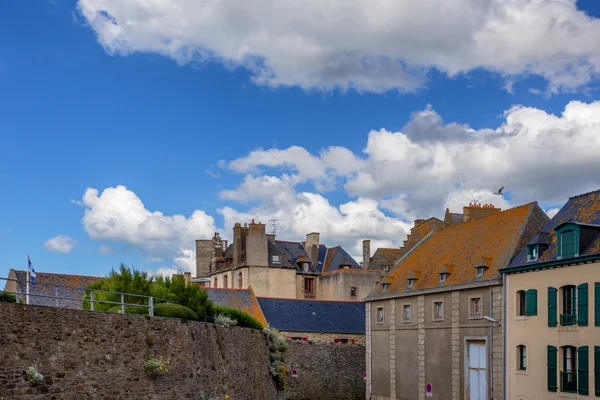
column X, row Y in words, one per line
column 491, row 369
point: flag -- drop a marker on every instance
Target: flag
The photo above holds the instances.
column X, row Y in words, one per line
column 31, row 271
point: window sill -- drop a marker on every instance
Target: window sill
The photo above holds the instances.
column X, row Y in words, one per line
column 475, row 316
column 521, row 318
column 521, row 372
column 568, row 395
column 407, row 321
column 438, row 320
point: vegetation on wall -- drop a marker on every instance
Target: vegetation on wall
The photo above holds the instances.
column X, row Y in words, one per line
column 242, row 318
column 11, row 298
column 277, row 348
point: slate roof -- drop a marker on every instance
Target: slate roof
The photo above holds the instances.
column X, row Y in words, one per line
column 461, row 247
column 62, row 285
column 314, row 315
column 242, row 299
column 457, row 218
column 337, row 256
column 385, row 258
column 583, row 210
column 292, row 252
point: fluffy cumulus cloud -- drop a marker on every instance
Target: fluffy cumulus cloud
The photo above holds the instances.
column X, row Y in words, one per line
column 61, row 244
column 118, row 215
column 363, row 44
column 431, row 164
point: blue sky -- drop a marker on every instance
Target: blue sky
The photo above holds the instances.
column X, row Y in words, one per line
column 81, row 109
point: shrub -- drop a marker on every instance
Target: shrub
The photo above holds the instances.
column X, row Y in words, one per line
column 156, row 367
column 173, row 310
column 33, row 376
column 10, row 298
column 130, row 310
column 242, row 318
column 224, row 320
column 277, row 348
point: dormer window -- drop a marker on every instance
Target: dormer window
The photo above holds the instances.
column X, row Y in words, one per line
column 275, row 259
column 482, row 266
column 533, row 252
column 567, row 241
column 304, row 267
column 384, row 287
column 443, row 276
column 411, row 282
column 480, row 271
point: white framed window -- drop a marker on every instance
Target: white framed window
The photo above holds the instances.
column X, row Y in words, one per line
column 304, row 267
column 438, row 310
column 475, row 307
column 380, row 315
column 406, row 315
column 276, row 259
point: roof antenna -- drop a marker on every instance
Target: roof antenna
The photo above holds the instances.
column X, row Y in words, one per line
column 274, row 223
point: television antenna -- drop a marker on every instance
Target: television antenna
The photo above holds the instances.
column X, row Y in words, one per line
column 274, row 224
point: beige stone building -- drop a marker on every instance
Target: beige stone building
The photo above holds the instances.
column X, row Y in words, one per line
column 552, row 318
column 433, row 321
column 283, row 269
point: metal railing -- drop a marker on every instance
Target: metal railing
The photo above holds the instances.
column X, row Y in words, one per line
column 568, row 382
column 24, row 297
column 568, row 319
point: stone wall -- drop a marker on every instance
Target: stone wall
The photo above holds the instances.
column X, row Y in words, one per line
column 325, row 371
column 84, row 354
column 101, row 355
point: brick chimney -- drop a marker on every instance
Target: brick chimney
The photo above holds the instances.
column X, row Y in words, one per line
column 312, row 247
column 366, row 254
column 479, row 211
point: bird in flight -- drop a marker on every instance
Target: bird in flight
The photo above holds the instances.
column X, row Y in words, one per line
column 499, row 192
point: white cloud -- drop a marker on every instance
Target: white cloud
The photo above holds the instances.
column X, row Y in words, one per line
column 552, row 212
column 119, row 216
column 61, row 244
column 373, row 46
column 105, row 249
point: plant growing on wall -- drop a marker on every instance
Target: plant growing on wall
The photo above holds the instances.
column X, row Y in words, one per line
column 155, row 367
column 33, row 376
column 224, row 320
column 277, row 348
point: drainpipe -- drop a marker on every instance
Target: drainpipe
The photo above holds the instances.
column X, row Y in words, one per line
column 491, row 369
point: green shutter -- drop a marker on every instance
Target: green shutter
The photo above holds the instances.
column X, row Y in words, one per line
column 568, row 244
column 552, row 381
column 597, row 303
column 582, row 371
column 597, row 370
column 531, row 302
column 582, row 304
column 552, row 318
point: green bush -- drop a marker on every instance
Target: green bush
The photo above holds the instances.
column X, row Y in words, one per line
column 130, row 310
column 10, row 298
column 242, row 318
column 173, row 310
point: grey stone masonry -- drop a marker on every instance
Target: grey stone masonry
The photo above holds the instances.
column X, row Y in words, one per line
column 368, row 348
column 393, row 348
column 421, row 346
column 497, row 344
column 455, row 345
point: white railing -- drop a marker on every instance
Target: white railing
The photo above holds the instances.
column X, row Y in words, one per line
column 24, row 297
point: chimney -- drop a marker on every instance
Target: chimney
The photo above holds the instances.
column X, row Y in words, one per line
column 479, row 211
column 271, row 237
column 188, row 278
column 237, row 244
column 366, row 254
column 312, row 247
column 257, row 254
column 419, row 221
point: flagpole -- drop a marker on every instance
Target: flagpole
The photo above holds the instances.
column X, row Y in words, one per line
column 27, row 290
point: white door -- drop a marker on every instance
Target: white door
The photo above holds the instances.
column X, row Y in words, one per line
column 477, row 371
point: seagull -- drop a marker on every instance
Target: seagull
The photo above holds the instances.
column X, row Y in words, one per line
column 499, row 192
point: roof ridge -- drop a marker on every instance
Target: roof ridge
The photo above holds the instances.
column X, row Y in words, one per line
column 584, row 194
column 315, row 300
column 54, row 273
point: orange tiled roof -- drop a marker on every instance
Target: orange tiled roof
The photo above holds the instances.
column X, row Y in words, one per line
column 242, row 299
column 385, row 257
column 460, row 248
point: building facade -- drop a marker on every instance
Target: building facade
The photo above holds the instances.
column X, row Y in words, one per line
column 552, row 317
column 433, row 323
column 282, row 269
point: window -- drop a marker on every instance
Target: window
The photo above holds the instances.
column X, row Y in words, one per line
column 240, row 280
column 443, row 277
column 521, row 302
column 406, row 313
column 568, row 244
column 411, row 282
column 352, row 291
column 275, row 259
column 569, row 313
column 522, row 358
column 309, row 285
column 380, row 315
column 480, row 271
column 532, row 252
column 568, row 375
column 344, row 341
column 225, row 281
column 216, row 283
column 438, row 311
column 304, row 267
column 475, row 307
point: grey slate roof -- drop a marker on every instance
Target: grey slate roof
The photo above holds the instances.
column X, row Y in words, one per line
column 336, row 256
column 583, row 210
column 290, row 252
column 61, row 285
column 314, row 315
